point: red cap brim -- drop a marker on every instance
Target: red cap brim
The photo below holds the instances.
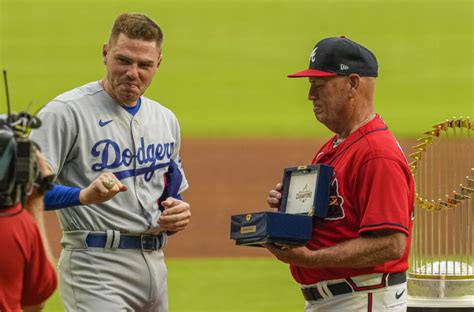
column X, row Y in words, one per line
column 311, row 73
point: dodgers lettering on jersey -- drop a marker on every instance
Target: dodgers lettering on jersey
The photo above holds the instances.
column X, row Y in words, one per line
column 112, row 156
column 86, row 133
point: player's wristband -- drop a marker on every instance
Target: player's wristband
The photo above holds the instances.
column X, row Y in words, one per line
column 61, row 196
column 44, row 184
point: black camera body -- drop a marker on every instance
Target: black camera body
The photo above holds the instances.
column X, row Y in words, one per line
column 18, row 164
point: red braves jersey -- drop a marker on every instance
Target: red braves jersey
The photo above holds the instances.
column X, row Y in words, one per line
column 373, row 189
column 26, row 276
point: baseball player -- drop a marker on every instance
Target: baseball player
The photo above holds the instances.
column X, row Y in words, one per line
column 116, row 155
column 357, row 258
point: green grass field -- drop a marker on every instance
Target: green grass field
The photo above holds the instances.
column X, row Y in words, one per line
column 224, row 75
column 225, row 62
column 230, row 285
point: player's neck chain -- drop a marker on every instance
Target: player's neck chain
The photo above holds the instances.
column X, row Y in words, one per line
column 339, row 140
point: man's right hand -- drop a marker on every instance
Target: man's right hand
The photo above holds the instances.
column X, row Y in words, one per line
column 176, row 215
column 103, row 188
column 274, row 197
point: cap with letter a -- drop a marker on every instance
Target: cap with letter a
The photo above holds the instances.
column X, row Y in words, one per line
column 339, row 56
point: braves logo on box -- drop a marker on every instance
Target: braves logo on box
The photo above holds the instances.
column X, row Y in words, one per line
column 112, row 156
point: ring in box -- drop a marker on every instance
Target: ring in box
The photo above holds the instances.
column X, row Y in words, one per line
column 305, row 196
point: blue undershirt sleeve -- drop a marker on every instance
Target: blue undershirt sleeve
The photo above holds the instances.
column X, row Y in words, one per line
column 61, row 196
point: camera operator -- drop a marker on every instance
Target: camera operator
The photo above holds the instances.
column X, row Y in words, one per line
column 27, row 274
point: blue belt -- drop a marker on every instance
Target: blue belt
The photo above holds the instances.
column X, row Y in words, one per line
column 143, row 242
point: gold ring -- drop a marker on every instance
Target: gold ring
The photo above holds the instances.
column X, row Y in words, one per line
column 109, row 183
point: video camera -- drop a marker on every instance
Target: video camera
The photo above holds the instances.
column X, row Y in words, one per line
column 19, row 170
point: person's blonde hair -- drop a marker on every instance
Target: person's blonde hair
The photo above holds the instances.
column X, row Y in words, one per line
column 136, row 26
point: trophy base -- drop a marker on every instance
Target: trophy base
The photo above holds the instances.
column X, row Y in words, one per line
column 440, row 293
column 438, row 309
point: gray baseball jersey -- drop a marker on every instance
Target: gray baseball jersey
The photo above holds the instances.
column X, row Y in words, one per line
column 85, row 133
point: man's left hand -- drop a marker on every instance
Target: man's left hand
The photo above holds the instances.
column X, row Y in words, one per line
column 176, row 215
column 300, row 256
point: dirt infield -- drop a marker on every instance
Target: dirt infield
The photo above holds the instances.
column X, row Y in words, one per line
column 227, row 176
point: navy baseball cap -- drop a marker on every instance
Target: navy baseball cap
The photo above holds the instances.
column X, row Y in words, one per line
column 339, row 56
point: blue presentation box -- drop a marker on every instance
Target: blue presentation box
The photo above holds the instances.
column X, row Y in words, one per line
column 271, row 227
column 305, row 197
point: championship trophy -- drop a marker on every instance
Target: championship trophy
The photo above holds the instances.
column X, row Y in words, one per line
column 305, row 196
column 441, row 273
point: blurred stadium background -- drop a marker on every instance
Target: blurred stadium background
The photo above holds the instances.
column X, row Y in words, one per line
column 224, row 75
